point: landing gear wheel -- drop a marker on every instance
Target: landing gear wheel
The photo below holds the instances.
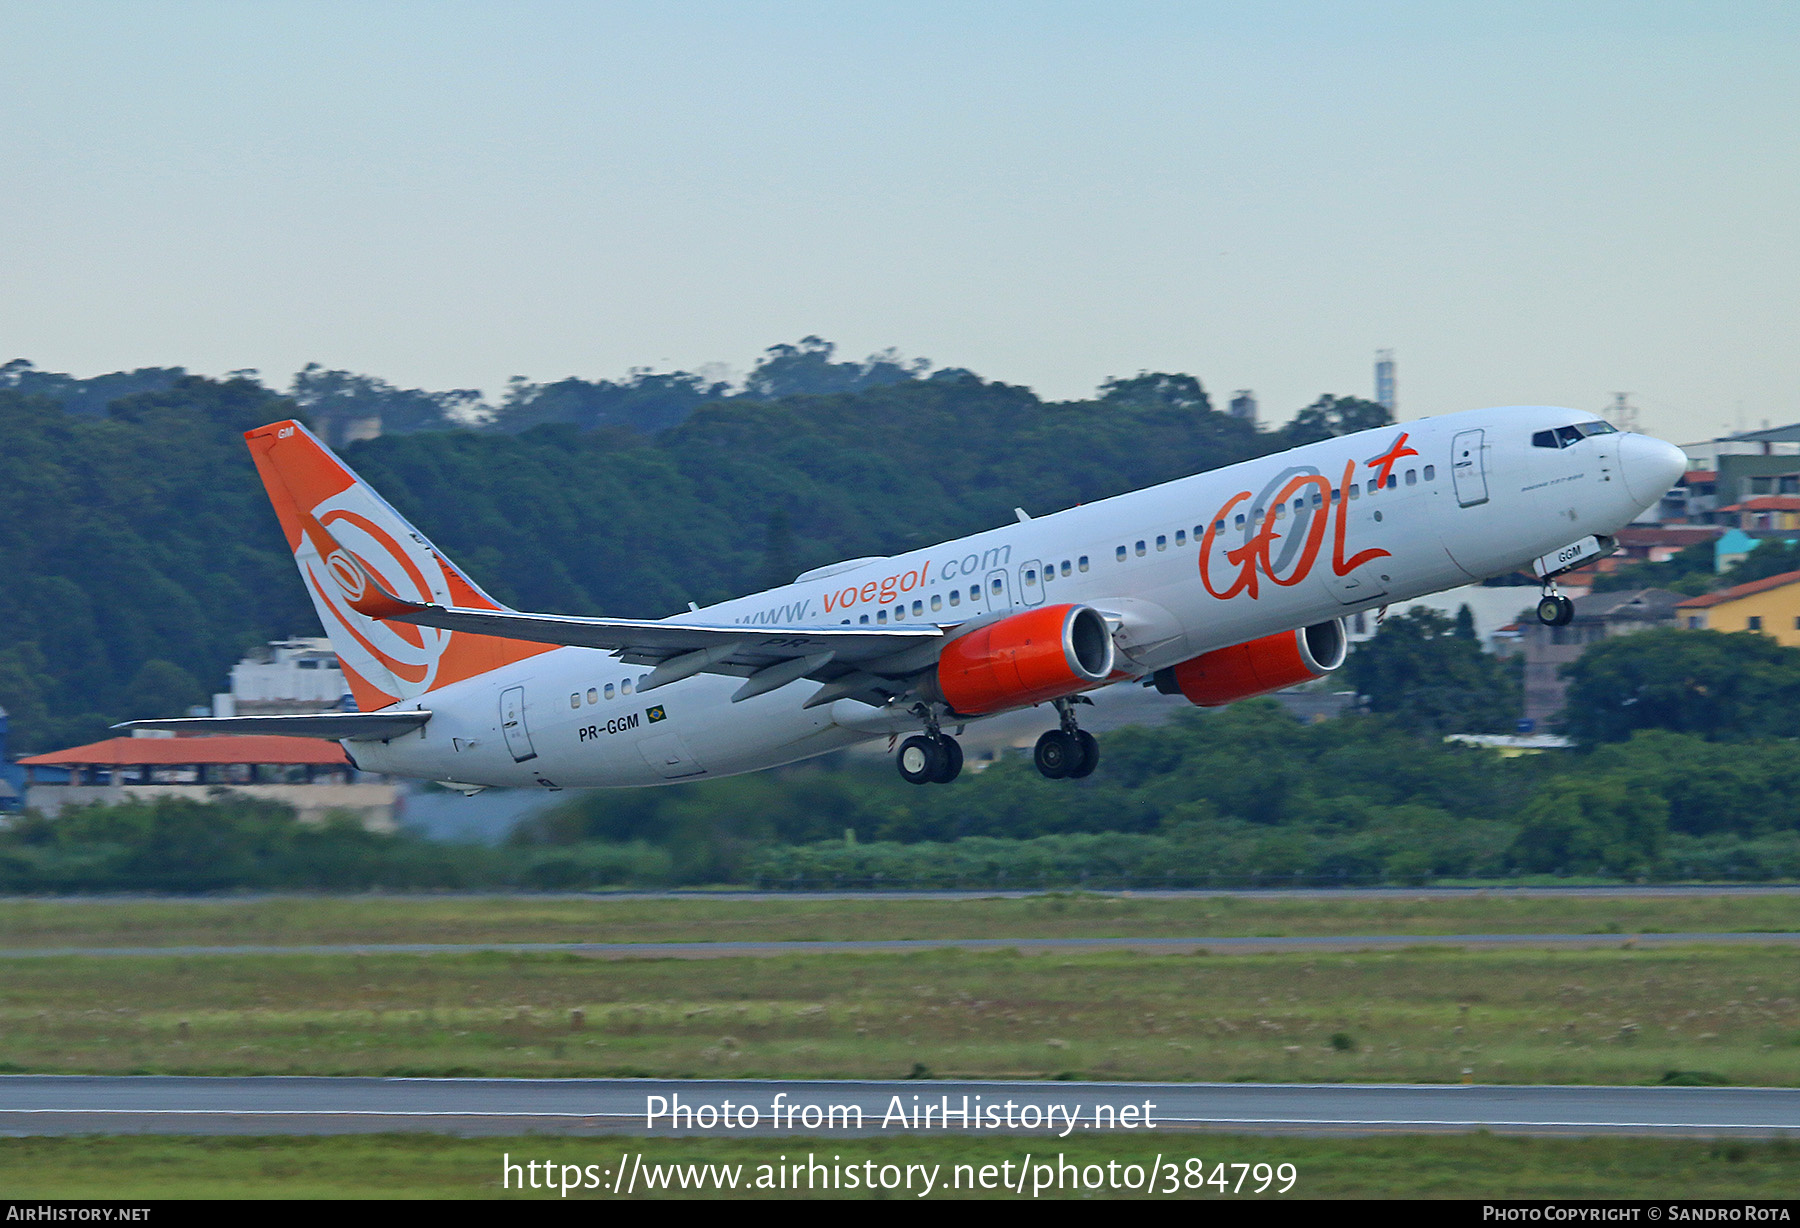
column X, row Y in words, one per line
column 1087, row 756
column 1556, row 611
column 1056, row 752
column 953, row 759
column 921, row 759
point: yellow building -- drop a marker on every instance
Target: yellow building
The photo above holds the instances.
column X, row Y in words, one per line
column 1770, row 606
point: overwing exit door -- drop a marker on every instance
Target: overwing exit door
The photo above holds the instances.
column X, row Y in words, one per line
column 998, row 590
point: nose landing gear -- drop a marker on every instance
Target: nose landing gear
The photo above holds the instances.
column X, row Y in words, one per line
column 1069, row 752
column 1554, row 609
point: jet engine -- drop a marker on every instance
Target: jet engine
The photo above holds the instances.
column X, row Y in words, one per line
column 1026, row 658
column 1258, row 666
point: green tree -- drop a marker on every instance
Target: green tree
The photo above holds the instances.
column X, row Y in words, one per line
column 1715, row 684
column 1331, row 416
column 161, row 688
column 1689, row 570
column 1772, row 557
column 1586, row 824
column 1157, row 388
column 1429, row 671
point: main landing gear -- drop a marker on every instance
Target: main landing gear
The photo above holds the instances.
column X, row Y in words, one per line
column 930, row 758
column 1069, row 752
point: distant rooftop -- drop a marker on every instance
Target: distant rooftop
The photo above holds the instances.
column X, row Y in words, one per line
column 1742, row 590
column 233, row 748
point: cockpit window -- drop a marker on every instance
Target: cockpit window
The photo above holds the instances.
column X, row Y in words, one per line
column 1568, row 436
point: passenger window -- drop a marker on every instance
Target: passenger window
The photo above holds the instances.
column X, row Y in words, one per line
column 955, row 597
column 999, row 586
column 1065, row 567
column 1200, row 529
column 575, row 701
column 1140, row 548
column 1335, row 494
column 1281, row 511
column 974, row 592
column 1082, row 562
column 1121, row 554
column 1412, row 477
column 625, row 687
column 881, row 616
column 1299, row 506
column 918, row 609
column 899, row 613
column 1162, row 541
column 937, row 603
column 1031, row 577
column 864, row 620
column 1181, row 537
column 1431, row 473
column 1392, row 481
column 609, row 690
column 593, row 695
column 1239, row 522
column 1355, row 490
column 1318, row 500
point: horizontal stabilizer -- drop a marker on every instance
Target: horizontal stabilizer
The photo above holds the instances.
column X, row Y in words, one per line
column 334, row 726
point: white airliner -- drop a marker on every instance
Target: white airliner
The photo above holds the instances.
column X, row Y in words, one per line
column 1219, row 586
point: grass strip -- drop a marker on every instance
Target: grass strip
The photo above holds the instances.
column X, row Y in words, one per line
column 348, row 919
column 1616, row 1015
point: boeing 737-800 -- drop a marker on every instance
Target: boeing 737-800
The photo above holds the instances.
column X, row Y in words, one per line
column 1227, row 584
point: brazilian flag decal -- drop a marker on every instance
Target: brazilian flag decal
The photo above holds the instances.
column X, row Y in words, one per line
column 656, row 714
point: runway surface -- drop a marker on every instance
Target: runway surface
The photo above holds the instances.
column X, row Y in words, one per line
column 76, row 1104
column 721, row 950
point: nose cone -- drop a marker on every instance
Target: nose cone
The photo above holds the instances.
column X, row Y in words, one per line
column 1650, row 467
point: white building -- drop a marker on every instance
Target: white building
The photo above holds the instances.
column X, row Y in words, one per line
column 297, row 675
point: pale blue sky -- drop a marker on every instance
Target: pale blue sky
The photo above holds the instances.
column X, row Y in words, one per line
column 1529, row 202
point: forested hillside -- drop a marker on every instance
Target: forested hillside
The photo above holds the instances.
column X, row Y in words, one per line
column 141, row 558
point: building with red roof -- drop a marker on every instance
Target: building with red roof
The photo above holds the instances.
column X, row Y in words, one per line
column 1770, row 607
column 313, row 776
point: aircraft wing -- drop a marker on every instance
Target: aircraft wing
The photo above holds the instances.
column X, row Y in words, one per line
column 335, row 726
column 855, row 661
column 649, row 642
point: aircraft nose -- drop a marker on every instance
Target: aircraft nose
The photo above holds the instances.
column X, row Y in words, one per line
column 1650, row 467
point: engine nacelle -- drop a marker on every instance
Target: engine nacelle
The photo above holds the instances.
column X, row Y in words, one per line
column 1040, row 654
column 1259, row 666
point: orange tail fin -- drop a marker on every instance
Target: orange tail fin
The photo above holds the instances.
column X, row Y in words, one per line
column 326, row 511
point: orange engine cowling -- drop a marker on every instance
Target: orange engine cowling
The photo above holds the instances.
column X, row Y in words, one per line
column 1026, row 658
column 1257, row 667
